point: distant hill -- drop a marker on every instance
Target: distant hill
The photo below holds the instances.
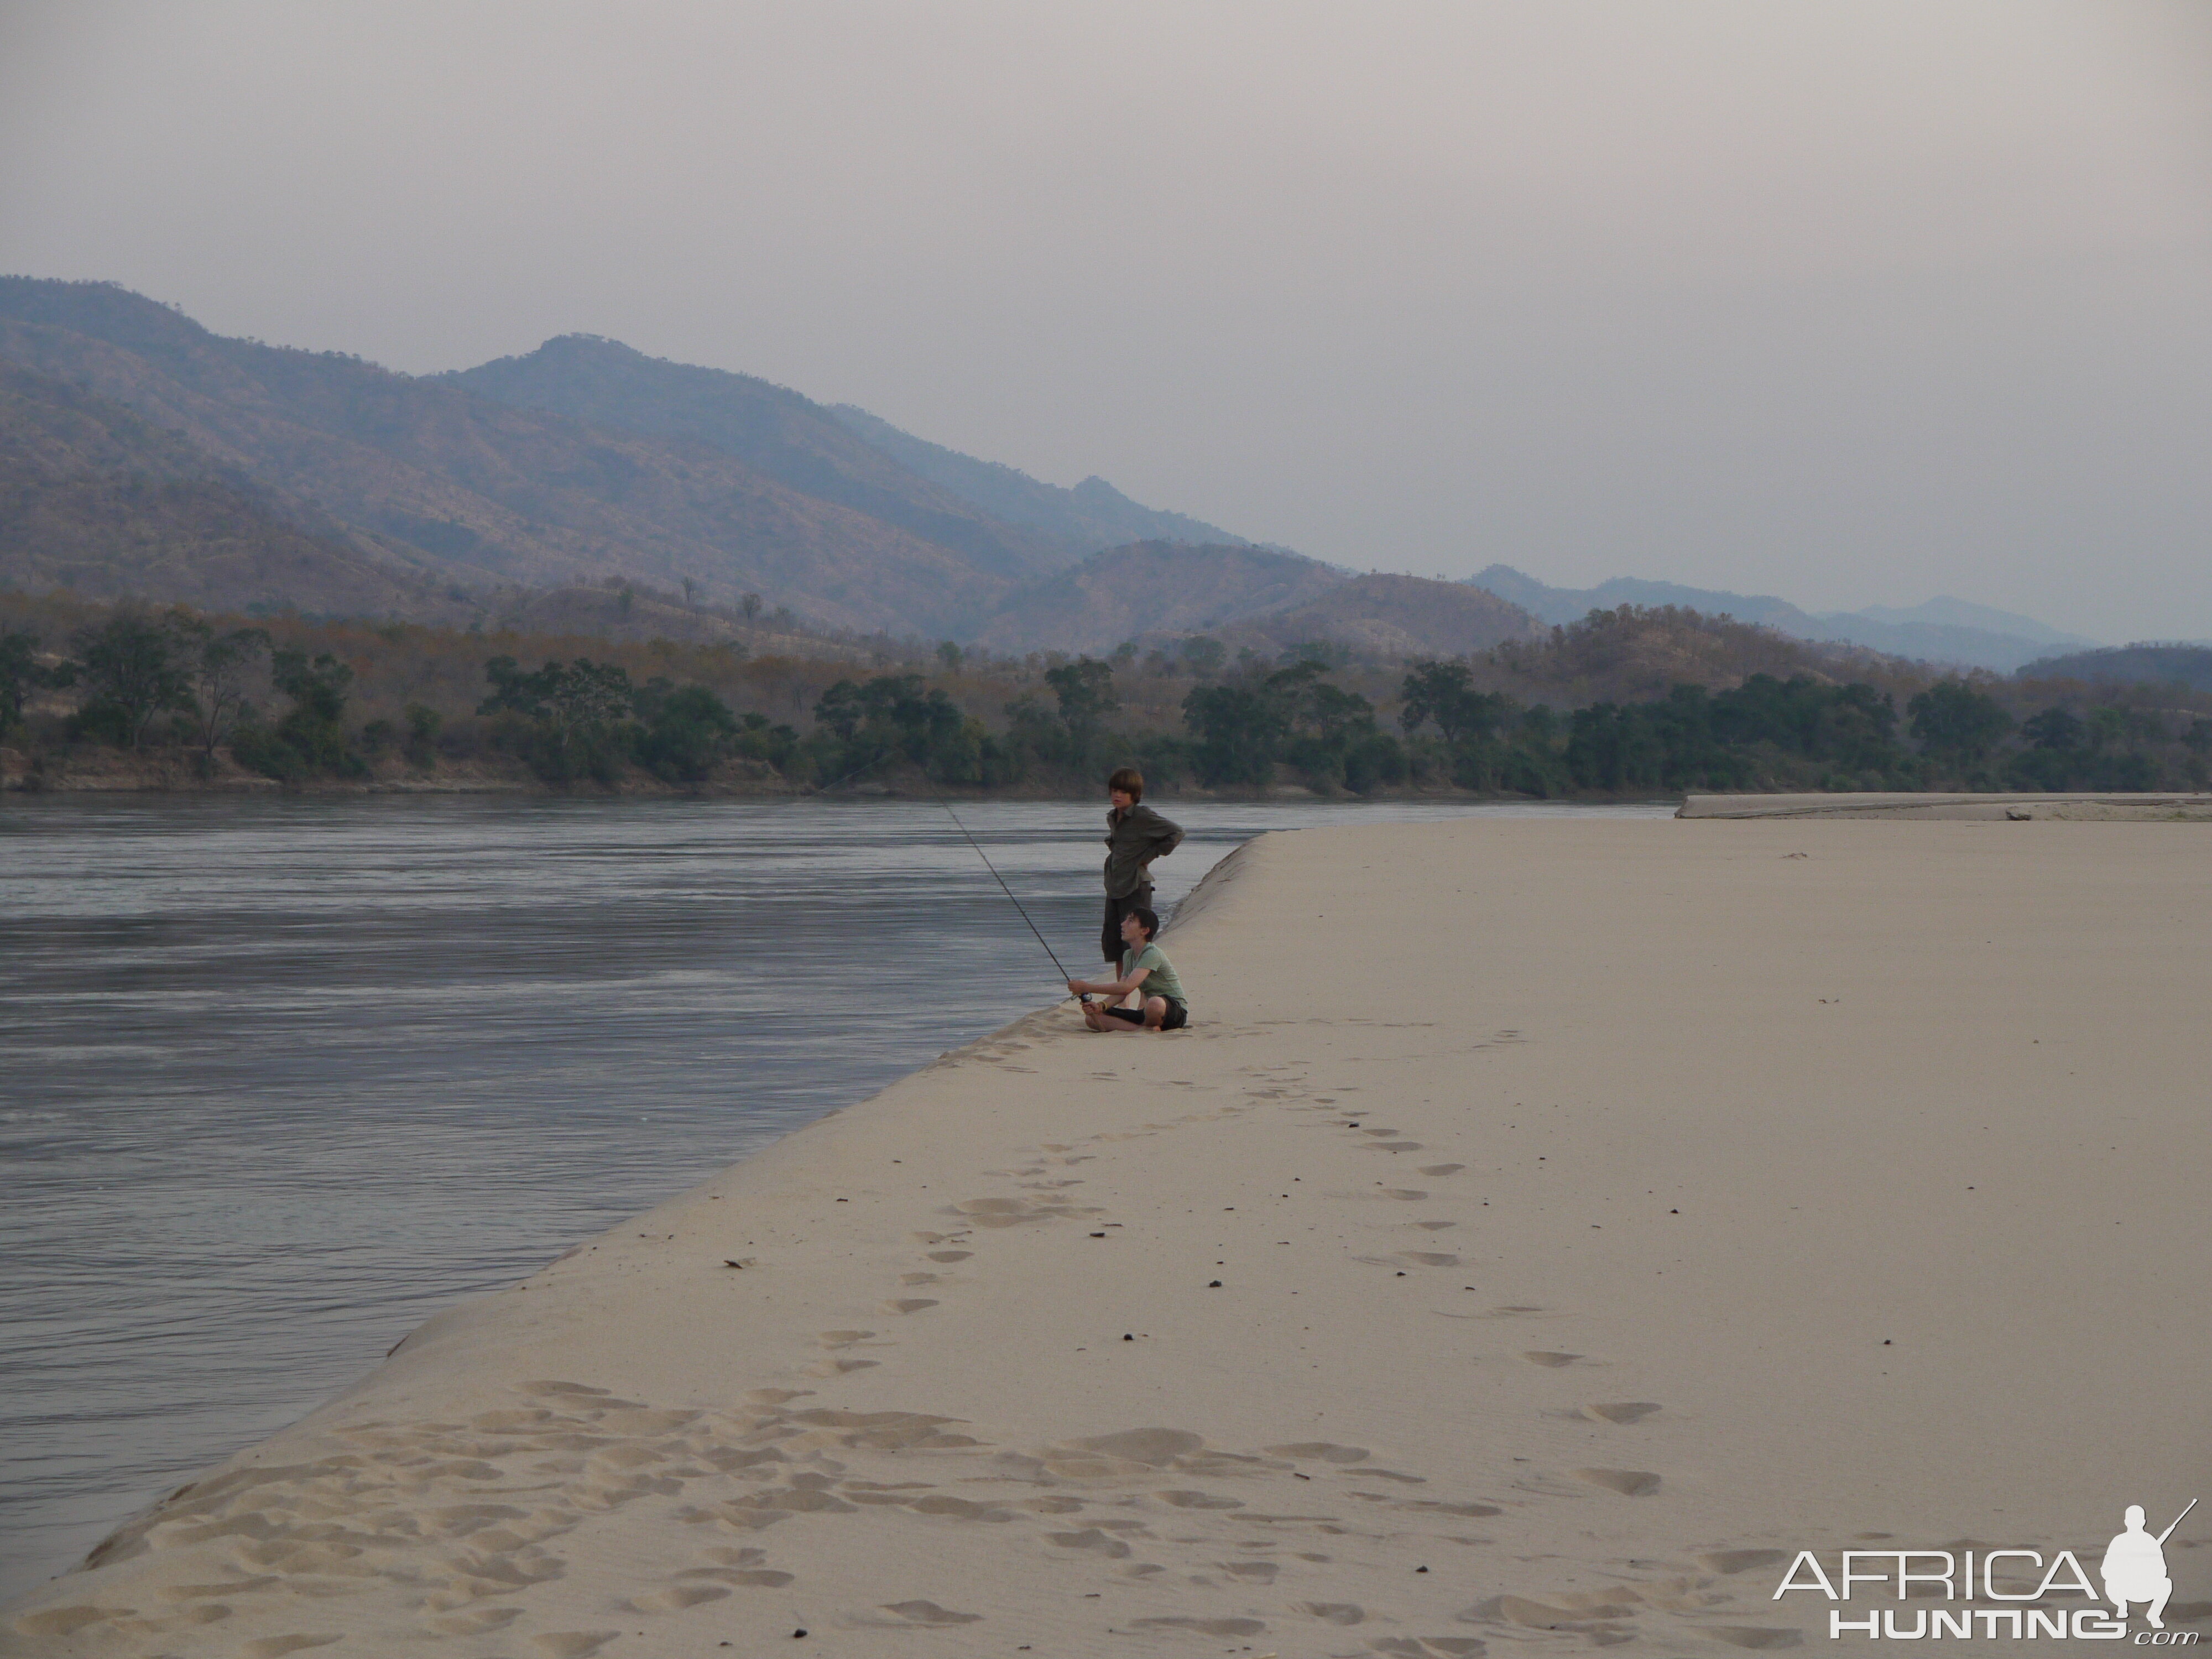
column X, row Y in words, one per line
column 1944, row 631
column 775, row 431
column 1091, row 516
column 1392, row 616
column 95, row 500
column 2182, row 664
column 1630, row 653
column 1152, row 587
column 480, row 491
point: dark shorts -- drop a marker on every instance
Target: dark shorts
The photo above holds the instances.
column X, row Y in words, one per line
column 1178, row 1016
column 1109, row 935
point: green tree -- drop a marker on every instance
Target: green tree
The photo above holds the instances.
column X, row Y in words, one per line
column 133, row 669
column 2055, row 728
column 313, row 728
column 1238, row 729
column 22, row 673
column 683, row 733
column 423, row 724
column 222, row 669
column 1442, row 692
column 566, row 715
column 1085, row 691
column 1956, row 723
column 1204, row 656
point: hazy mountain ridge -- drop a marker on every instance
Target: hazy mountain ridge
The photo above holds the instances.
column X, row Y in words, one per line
column 442, row 477
column 1152, row 589
column 1383, row 618
column 777, row 432
column 94, row 499
column 1087, row 519
column 1942, row 630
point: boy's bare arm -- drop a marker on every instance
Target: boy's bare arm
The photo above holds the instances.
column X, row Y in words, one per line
column 1120, row 988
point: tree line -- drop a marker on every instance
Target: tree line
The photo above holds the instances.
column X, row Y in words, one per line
column 283, row 702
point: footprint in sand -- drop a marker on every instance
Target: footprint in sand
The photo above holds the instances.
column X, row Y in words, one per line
column 1753, row 1636
column 929, row 1613
column 949, row 1255
column 749, row 1578
column 1092, row 1540
column 1622, row 1411
column 1325, row 1450
column 676, row 1598
column 67, row 1621
column 910, row 1304
column 1429, row 1258
column 1441, row 1169
column 1435, row 1226
column 1544, row 1356
column 1430, row 1647
column 1256, row 1572
column 1203, row 1627
column 272, row 1647
column 1198, row 1500
column 477, row 1622
column 1335, row 1612
column 572, row 1643
column 1629, row 1483
column 959, row 1509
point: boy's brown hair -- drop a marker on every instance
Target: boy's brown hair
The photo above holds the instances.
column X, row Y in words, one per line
column 1129, row 780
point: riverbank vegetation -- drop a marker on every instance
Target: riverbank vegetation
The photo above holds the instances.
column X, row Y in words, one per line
column 1632, row 702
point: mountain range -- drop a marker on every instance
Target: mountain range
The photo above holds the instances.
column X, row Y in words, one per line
column 141, row 453
column 1943, row 630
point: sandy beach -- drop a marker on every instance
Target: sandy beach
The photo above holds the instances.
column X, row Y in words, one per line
column 1546, row 1231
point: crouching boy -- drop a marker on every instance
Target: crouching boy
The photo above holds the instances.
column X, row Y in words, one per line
column 1146, row 970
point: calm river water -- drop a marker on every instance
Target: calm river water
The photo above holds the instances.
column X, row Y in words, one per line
column 281, row 1078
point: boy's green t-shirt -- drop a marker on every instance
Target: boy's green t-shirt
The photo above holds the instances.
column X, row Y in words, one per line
column 1161, row 981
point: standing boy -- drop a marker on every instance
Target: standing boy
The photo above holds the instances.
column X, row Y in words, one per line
column 1136, row 836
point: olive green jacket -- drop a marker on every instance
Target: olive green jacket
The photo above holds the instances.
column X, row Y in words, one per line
column 1134, row 839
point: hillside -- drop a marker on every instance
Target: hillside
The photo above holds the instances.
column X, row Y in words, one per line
column 2188, row 665
column 1152, row 587
column 98, row 501
column 774, row 430
column 1084, row 519
column 1388, row 617
column 1634, row 653
column 1944, row 631
column 478, row 490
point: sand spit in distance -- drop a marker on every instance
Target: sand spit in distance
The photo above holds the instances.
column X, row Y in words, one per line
column 1545, row 1231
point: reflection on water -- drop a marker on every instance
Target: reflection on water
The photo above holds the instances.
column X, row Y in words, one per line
column 278, row 1079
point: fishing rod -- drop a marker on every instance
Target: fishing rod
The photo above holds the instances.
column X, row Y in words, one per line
column 864, row 765
column 1064, row 974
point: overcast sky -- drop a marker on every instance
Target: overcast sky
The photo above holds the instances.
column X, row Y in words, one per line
column 1855, row 303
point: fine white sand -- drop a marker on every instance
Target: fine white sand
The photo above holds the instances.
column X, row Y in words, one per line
column 1597, row 1208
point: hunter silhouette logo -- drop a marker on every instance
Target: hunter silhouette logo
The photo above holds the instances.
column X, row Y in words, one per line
column 2134, row 1568
column 2020, row 1583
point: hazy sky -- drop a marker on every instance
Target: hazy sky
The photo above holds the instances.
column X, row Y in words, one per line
column 1853, row 302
